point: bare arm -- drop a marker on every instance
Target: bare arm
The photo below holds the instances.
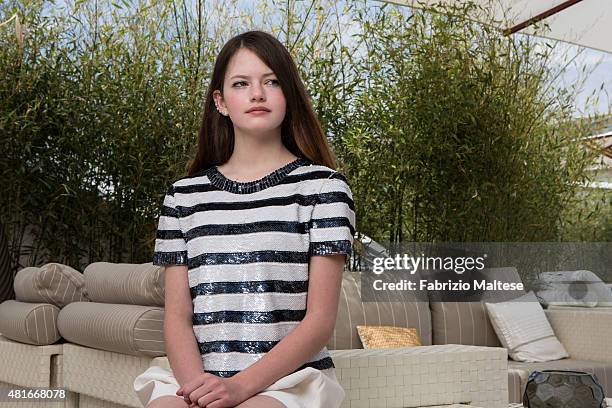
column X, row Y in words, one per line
column 310, row 336
column 181, row 344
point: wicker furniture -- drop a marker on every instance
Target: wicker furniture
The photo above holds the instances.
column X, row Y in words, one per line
column 110, row 384
column 410, row 377
column 27, row 366
column 423, row 376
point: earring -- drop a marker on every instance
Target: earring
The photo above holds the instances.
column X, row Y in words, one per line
column 224, row 113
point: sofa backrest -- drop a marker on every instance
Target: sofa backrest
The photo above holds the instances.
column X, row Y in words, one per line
column 353, row 312
column 468, row 322
column 462, row 323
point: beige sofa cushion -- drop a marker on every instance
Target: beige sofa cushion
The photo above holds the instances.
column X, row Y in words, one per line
column 52, row 283
column 353, row 312
column 517, row 378
column 468, row 322
column 31, row 323
column 462, row 323
column 133, row 284
column 127, row 329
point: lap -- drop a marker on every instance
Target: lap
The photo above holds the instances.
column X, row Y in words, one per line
column 261, row 401
column 307, row 387
column 167, row 401
column 258, row 401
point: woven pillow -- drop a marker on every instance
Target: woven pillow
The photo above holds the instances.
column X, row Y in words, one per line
column 31, row 323
column 52, row 283
column 376, row 337
column 131, row 284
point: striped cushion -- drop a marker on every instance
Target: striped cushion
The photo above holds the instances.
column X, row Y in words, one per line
column 468, row 322
column 132, row 284
column 519, row 372
column 31, row 323
column 127, row 329
column 52, row 283
column 352, row 312
column 523, row 329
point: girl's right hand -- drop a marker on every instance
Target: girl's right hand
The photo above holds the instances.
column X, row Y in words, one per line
column 209, row 391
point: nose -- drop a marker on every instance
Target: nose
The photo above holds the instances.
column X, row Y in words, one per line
column 257, row 93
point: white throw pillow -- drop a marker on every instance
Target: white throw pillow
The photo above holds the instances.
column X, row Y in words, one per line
column 574, row 288
column 523, row 329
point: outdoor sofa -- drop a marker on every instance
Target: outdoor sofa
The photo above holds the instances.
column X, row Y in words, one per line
column 111, row 331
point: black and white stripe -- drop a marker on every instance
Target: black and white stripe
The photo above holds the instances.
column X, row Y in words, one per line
column 247, row 247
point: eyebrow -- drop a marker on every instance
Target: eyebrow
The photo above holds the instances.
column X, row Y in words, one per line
column 246, row 76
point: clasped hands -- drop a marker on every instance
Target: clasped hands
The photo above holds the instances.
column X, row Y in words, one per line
column 210, row 391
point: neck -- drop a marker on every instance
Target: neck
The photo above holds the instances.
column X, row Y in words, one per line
column 256, row 154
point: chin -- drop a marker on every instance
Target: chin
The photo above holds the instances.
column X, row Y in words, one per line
column 256, row 130
column 259, row 127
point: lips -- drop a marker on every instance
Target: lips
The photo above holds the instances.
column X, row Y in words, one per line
column 258, row 109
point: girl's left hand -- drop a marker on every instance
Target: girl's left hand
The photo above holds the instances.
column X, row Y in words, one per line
column 209, row 391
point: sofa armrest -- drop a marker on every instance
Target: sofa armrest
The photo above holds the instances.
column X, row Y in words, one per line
column 585, row 333
column 27, row 365
column 424, row 376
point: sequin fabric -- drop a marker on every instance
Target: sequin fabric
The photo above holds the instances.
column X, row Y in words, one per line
column 238, row 187
column 247, row 246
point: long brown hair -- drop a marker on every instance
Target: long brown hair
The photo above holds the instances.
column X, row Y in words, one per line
column 301, row 131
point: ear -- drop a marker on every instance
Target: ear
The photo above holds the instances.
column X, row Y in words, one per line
column 218, row 98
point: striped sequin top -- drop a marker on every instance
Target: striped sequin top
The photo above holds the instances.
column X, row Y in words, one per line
column 247, row 246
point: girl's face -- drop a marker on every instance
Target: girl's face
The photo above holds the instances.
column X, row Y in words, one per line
column 250, row 83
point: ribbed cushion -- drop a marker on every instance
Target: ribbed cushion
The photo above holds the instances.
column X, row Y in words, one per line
column 31, row 323
column 127, row 329
column 132, row 284
column 52, row 283
column 603, row 371
column 524, row 330
column 353, row 312
column 468, row 322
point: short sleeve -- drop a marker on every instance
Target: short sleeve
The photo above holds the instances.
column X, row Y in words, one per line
column 332, row 224
column 170, row 244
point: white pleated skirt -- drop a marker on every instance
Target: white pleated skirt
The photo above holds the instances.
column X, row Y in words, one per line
column 306, row 388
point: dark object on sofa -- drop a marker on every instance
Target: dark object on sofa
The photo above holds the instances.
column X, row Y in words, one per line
column 563, row 389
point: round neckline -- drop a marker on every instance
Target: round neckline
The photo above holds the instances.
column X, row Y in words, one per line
column 245, row 187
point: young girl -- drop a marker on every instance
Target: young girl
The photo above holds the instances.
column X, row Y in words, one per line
column 254, row 241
